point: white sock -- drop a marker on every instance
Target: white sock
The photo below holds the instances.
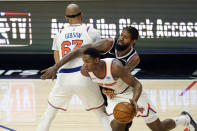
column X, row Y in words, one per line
column 46, row 119
column 181, row 120
column 103, row 118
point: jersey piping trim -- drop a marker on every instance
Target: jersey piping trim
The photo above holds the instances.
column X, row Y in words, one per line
column 111, row 69
column 131, row 56
column 89, row 109
column 109, row 114
column 57, row 107
column 71, row 70
column 88, row 28
column 149, row 108
column 124, row 55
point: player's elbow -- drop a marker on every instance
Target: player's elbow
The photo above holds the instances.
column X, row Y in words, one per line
column 108, row 41
column 138, row 86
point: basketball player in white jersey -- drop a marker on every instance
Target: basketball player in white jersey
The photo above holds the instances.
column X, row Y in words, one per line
column 69, row 79
column 111, row 74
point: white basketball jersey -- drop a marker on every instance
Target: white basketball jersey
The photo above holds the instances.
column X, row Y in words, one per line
column 108, row 81
column 73, row 37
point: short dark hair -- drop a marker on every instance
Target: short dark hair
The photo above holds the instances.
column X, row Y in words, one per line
column 133, row 31
column 94, row 53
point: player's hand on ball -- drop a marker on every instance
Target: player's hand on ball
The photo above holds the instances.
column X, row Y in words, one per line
column 134, row 104
column 49, row 72
column 124, row 112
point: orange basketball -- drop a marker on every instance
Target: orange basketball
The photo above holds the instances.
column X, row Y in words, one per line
column 124, row 112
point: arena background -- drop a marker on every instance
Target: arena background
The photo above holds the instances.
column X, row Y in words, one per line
column 167, row 43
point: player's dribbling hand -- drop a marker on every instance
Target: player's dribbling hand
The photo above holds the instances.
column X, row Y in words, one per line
column 132, row 102
column 49, row 73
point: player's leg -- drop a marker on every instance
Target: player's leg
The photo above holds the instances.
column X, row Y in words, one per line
column 99, row 110
column 50, row 113
column 128, row 125
column 150, row 116
column 116, row 126
column 147, row 112
column 91, row 96
column 59, row 96
column 46, row 119
column 100, row 113
column 156, row 125
column 185, row 119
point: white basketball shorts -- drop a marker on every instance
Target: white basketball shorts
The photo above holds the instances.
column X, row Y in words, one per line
column 68, row 84
column 145, row 109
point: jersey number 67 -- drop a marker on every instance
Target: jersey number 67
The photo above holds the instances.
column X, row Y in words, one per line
column 67, row 46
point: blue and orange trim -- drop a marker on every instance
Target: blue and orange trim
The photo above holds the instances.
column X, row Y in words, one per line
column 149, row 108
column 88, row 28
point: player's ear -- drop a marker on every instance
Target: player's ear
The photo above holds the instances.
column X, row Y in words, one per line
column 133, row 41
column 97, row 60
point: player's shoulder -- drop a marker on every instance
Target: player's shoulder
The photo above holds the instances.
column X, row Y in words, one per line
column 93, row 33
column 113, row 61
column 91, row 29
column 116, row 64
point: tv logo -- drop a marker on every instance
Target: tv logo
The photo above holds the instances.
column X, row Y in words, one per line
column 15, row 29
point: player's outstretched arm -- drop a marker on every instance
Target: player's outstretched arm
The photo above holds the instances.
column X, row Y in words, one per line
column 118, row 70
column 102, row 46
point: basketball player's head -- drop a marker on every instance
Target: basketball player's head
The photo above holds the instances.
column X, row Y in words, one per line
column 127, row 38
column 91, row 58
column 73, row 14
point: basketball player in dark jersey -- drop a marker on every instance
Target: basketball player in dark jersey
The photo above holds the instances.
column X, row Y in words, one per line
column 112, row 53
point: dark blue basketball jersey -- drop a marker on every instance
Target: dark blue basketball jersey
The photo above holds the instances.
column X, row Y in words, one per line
column 112, row 53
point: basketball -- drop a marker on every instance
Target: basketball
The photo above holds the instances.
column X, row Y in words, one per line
column 124, row 112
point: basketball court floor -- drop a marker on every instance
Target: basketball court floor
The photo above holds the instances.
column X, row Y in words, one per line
column 23, row 101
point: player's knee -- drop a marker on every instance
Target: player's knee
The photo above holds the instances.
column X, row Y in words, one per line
column 157, row 129
column 156, row 125
column 116, row 126
column 99, row 111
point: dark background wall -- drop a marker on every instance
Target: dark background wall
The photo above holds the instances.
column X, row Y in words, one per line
column 162, row 56
column 168, row 66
